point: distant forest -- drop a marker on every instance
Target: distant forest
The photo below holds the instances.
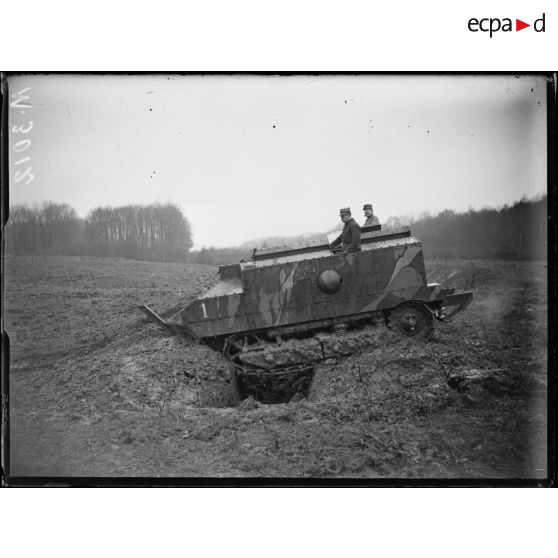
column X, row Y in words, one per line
column 155, row 232
column 162, row 233
column 515, row 231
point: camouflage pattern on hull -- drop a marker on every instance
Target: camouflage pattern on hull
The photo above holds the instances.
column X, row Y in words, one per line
column 286, row 287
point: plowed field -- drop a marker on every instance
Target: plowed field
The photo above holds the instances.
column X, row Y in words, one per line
column 98, row 390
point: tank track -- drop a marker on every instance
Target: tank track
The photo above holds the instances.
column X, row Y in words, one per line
column 281, row 368
column 276, row 371
column 266, row 355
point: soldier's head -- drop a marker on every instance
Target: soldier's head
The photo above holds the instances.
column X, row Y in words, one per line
column 345, row 214
column 368, row 210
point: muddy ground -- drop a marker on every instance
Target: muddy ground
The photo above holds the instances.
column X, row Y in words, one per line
column 97, row 390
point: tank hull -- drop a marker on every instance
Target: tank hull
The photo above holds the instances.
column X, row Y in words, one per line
column 288, row 291
column 283, row 291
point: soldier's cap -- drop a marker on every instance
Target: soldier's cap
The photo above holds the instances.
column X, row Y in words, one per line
column 345, row 211
column 367, row 206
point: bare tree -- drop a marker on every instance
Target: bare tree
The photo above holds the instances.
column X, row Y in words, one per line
column 52, row 228
column 155, row 232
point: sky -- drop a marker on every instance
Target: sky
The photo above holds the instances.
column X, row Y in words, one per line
column 248, row 156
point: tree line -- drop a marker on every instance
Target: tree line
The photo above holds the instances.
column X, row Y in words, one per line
column 162, row 233
column 156, row 232
column 517, row 231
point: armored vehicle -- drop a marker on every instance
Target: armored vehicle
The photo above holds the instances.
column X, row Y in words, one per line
column 285, row 307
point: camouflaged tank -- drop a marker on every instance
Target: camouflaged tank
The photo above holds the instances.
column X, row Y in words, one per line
column 290, row 306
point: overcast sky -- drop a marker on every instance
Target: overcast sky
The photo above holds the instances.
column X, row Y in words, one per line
column 253, row 156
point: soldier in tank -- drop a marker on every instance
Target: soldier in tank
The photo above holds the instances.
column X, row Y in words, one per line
column 349, row 239
column 371, row 219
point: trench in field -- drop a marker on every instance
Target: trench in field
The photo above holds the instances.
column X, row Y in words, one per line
column 263, row 386
column 272, row 387
column 292, row 382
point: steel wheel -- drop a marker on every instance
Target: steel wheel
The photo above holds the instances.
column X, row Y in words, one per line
column 410, row 320
column 235, row 344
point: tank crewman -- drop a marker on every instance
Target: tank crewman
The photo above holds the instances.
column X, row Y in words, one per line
column 371, row 219
column 349, row 239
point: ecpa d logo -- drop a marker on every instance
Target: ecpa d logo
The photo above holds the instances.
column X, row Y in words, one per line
column 492, row 25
